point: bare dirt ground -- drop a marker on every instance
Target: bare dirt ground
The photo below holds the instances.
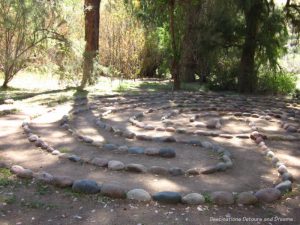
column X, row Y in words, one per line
column 28, row 202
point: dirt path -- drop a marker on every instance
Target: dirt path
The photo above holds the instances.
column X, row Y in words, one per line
column 23, row 202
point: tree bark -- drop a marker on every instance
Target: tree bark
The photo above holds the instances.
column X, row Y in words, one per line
column 175, row 60
column 247, row 79
column 188, row 60
column 92, row 19
column 5, row 82
column 7, row 78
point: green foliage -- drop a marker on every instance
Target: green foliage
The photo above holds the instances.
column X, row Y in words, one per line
column 207, row 198
column 6, row 112
column 64, row 150
column 25, row 27
column 224, row 71
column 276, row 82
column 5, row 177
column 11, row 199
column 42, row 189
column 272, row 39
column 135, row 41
column 122, row 40
column 37, row 204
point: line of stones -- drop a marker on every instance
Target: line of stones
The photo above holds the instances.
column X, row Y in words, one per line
column 135, row 105
column 166, row 152
column 116, row 191
column 288, row 127
column 212, row 124
column 100, row 162
column 117, row 165
column 205, row 96
column 131, row 135
column 285, row 185
column 270, row 194
column 269, row 113
column 113, row 190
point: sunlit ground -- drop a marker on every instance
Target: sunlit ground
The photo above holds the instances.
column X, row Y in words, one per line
column 48, row 87
column 45, row 87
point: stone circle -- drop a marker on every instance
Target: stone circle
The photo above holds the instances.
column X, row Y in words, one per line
column 159, row 133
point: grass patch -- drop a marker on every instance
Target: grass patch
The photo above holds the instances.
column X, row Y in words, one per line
column 52, row 95
column 37, row 204
column 6, row 112
column 57, row 101
column 11, row 199
column 102, row 199
column 156, row 86
column 64, row 150
column 5, row 177
column 294, row 193
column 14, row 93
column 69, row 192
column 207, row 198
column 123, row 87
column 8, row 199
column 33, row 204
column 42, row 189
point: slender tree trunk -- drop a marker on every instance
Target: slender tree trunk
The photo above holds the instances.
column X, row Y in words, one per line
column 91, row 17
column 175, row 60
column 247, row 79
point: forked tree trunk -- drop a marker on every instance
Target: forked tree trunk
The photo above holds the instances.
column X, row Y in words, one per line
column 175, row 60
column 91, row 17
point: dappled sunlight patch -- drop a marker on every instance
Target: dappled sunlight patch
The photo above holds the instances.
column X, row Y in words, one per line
column 32, row 159
column 163, row 184
column 53, row 116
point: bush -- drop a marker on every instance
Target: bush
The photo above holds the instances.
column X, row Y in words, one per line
column 279, row 82
column 223, row 77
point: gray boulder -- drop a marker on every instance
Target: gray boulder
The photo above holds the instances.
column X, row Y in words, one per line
column 268, row 195
column 86, row 186
column 167, row 197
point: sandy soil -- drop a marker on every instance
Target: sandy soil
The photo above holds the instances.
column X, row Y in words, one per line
column 33, row 204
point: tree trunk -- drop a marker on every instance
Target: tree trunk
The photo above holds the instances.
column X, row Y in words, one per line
column 204, row 69
column 188, row 63
column 175, row 60
column 7, row 79
column 5, row 83
column 247, row 79
column 188, row 59
column 91, row 17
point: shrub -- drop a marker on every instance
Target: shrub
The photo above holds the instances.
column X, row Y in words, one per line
column 276, row 82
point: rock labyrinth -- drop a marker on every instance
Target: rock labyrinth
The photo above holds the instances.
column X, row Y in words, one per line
column 158, row 125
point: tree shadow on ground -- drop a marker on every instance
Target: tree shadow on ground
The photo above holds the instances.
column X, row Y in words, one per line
column 21, row 94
